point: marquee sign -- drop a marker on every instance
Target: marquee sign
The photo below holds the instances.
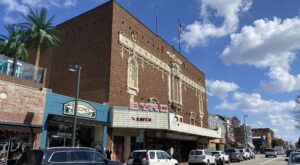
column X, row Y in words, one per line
column 84, row 109
column 141, row 119
column 149, row 107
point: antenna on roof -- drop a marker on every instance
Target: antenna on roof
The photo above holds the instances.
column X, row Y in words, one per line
column 156, row 17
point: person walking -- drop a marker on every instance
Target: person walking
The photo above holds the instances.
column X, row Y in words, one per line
column 108, row 154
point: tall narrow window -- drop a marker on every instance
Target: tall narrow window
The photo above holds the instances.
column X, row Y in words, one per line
column 132, row 78
column 175, row 88
column 201, row 103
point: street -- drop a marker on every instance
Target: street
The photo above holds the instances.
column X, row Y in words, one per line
column 260, row 160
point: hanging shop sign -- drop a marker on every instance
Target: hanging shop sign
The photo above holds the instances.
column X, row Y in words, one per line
column 84, row 109
column 149, row 107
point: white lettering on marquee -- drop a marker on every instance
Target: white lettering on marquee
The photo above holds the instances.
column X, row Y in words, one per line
column 149, row 107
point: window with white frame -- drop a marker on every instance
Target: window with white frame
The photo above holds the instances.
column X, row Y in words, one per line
column 179, row 118
column 192, row 121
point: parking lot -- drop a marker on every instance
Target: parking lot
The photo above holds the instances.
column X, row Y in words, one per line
column 261, row 160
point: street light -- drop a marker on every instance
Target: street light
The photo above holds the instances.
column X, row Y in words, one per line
column 75, row 68
column 245, row 130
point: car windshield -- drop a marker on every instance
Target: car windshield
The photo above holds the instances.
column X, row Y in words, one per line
column 247, row 150
column 269, row 150
column 295, row 157
column 215, row 153
column 241, row 150
column 196, row 153
column 230, row 151
column 138, row 155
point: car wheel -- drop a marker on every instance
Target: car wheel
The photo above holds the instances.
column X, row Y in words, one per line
column 208, row 162
column 228, row 161
column 239, row 160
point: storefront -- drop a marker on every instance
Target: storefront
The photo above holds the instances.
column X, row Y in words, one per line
column 188, row 137
column 217, row 144
column 91, row 128
column 163, row 140
column 130, row 125
column 21, row 118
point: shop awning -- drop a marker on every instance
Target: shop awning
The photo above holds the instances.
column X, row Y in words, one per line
column 19, row 127
column 251, row 145
column 79, row 120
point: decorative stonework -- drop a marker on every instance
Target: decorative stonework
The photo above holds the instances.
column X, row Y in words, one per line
column 134, row 47
column 132, row 78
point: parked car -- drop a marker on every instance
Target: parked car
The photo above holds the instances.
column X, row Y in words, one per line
column 201, row 156
column 288, row 152
column 246, row 154
column 279, row 150
column 150, row 157
column 234, row 155
column 221, row 157
column 294, row 158
column 63, row 155
column 270, row 152
column 252, row 154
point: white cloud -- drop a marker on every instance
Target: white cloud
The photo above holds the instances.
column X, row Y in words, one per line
column 199, row 32
column 253, row 103
column 63, row 3
column 259, row 124
column 14, row 7
column 32, row 3
column 271, row 44
column 284, row 120
column 220, row 89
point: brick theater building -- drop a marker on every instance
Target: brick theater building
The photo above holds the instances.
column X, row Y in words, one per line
column 157, row 97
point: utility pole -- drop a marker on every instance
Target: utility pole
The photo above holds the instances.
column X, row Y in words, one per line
column 245, row 131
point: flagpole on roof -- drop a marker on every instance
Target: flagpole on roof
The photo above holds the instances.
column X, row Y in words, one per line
column 156, row 17
column 179, row 34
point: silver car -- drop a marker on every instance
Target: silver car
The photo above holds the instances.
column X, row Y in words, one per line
column 294, row 158
column 270, row 152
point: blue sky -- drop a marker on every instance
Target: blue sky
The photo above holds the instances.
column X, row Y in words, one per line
column 248, row 49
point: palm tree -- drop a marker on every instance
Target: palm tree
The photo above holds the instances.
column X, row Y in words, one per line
column 40, row 34
column 13, row 45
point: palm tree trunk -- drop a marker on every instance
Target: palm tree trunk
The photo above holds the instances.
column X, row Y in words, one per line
column 13, row 73
column 37, row 61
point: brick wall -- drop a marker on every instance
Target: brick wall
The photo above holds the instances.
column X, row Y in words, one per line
column 91, row 40
column 152, row 82
column 86, row 42
column 21, row 104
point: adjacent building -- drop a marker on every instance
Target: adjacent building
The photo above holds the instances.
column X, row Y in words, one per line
column 218, row 123
column 244, row 138
column 262, row 138
column 22, row 104
column 157, row 97
column 91, row 128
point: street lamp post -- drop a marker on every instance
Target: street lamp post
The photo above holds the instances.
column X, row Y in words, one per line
column 245, row 131
column 75, row 68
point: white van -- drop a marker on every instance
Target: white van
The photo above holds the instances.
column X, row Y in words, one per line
column 150, row 157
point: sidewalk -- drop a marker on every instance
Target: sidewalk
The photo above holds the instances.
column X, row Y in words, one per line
column 183, row 163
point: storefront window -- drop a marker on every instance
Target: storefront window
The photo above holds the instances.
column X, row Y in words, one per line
column 60, row 134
